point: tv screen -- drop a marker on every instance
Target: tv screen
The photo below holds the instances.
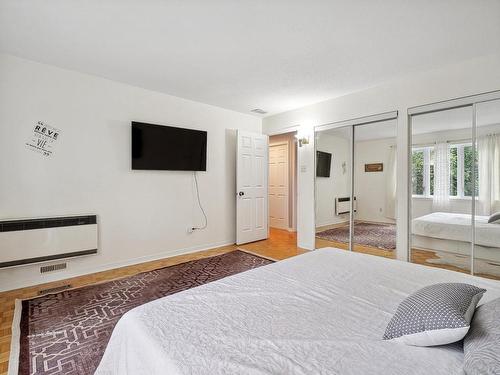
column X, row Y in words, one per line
column 158, row 147
column 323, row 163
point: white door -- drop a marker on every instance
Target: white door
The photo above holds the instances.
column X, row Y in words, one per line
column 251, row 187
column 278, row 186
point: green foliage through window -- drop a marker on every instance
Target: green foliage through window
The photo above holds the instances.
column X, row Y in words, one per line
column 417, row 177
column 463, row 170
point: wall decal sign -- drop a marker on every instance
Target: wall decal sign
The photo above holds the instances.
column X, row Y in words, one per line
column 43, row 139
column 374, row 167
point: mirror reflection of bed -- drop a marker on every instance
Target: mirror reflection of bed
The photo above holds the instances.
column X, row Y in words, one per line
column 456, row 183
column 373, row 184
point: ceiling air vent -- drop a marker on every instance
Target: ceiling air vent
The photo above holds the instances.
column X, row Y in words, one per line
column 53, row 267
column 259, row 111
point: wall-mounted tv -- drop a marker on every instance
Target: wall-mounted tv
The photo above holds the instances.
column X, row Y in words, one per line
column 158, row 147
column 323, row 164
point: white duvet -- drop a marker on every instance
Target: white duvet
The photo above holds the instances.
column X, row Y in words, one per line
column 458, row 227
column 323, row 312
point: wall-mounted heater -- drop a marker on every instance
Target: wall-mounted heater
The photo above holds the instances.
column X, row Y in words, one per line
column 343, row 205
column 29, row 241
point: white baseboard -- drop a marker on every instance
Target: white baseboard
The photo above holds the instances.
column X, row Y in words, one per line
column 110, row 266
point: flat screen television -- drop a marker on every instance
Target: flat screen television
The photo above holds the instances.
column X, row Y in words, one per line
column 323, row 164
column 158, row 147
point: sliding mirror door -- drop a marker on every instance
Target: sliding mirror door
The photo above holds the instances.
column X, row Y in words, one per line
column 487, row 178
column 374, row 230
column 333, row 187
column 442, row 187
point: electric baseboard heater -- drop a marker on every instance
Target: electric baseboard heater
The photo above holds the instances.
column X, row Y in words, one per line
column 28, row 241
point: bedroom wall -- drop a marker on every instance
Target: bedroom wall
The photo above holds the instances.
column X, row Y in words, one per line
column 370, row 187
column 143, row 215
column 466, row 78
column 337, row 185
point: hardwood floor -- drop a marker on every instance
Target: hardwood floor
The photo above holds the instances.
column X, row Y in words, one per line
column 432, row 259
column 281, row 244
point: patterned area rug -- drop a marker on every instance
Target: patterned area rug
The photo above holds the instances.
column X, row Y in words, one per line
column 382, row 236
column 67, row 332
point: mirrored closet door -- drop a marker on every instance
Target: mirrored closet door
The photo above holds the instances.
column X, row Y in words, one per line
column 333, row 187
column 442, row 188
column 486, row 238
column 374, row 229
column 455, row 186
column 356, row 187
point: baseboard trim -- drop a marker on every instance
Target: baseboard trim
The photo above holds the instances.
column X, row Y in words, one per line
column 114, row 265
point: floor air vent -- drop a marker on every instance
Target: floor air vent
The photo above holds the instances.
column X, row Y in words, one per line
column 54, row 290
column 53, row 267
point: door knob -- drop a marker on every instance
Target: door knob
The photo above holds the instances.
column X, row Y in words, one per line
column 241, row 193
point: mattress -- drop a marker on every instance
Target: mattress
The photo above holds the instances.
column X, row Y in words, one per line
column 457, row 227
column 323, row 312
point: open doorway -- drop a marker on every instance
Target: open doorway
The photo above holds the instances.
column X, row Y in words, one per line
column 282, row 194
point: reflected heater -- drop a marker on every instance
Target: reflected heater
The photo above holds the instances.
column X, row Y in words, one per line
column 343, row 205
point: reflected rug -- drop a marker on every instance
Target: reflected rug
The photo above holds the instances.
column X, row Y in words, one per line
column 382, row 236
column 67, row 332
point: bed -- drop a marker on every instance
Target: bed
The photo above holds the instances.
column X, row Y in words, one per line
column 452, row 233
column 457, row 227
column 323, row 312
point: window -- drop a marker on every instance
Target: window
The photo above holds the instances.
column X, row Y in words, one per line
column 417, row 178
column 423, row 171
column 461, row 171
column 462, row 168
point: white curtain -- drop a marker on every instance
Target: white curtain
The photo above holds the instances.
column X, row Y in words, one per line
column 441, row 200
column 390, row 191
column 488, row 148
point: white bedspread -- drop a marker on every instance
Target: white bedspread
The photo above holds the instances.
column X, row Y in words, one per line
column 323, row 312
column 450, row 226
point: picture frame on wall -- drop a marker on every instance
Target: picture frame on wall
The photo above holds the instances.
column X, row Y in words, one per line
column 374, row 167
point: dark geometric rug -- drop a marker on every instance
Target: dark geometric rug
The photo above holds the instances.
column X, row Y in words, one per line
column 382, row 236
column 67, row 332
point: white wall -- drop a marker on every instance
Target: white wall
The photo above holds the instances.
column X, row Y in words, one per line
column 370, row 187
column 338, row 184
column 142, row 214
column 467, row 78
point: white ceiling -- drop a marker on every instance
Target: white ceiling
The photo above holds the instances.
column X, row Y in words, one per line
column 245, row 54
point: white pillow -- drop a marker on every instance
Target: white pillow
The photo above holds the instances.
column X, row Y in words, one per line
column 438, row 314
